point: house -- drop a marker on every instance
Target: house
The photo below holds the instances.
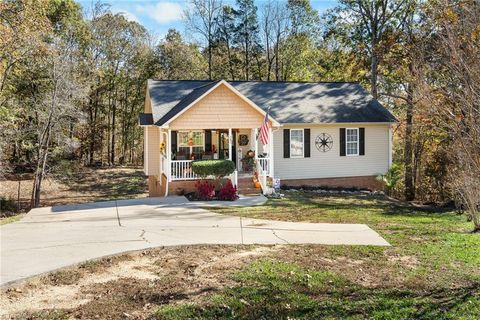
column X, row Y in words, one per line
column 321, row 134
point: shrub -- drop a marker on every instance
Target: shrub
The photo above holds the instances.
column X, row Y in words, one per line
column 228, row 192
column 216, row 168
column 392, row 177
column 205, row 190
column 7, row 205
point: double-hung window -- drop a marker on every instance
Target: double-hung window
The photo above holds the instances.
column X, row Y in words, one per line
column 187, row 148
column 352, row 139
column 296, row 143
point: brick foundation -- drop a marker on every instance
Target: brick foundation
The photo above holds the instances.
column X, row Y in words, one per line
column 155, row 188
column 185, row 186
column 362, row 182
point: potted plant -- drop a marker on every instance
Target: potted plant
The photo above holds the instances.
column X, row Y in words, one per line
column 248, row 161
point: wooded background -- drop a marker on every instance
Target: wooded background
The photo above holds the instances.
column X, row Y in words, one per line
column 72, row 82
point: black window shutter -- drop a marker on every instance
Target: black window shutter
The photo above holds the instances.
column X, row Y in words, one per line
column 361, row 134
column 173, row 136
column 286, row 143
column 342, row 142
column 306, row 143
column 208, row 140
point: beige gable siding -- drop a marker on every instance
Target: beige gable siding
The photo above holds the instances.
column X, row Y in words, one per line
column 148, row 103
column 152, row 150
column 331, row 164
column 221, row 108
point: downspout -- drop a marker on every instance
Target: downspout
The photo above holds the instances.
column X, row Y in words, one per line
column 167, row 142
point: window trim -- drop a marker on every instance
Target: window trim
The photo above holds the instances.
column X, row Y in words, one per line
column 347, row 142
column 303, row 144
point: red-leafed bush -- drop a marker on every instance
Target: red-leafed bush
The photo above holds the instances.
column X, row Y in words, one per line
column 228, row 192
column 205, row 190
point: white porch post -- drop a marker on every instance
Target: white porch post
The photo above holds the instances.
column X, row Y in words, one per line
column 230, row 144
column 390, row 146
column 145, row 151
column 160, row 133
column 270, row 151
column 169, row 155
column 255, row 133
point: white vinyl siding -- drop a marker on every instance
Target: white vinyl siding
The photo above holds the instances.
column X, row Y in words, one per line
column 351, row 141
column 330, row 164
column 296, row 143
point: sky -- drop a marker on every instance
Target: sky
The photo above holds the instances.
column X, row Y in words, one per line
column 160, row 15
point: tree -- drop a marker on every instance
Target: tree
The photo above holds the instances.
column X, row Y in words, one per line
column 247, row 32
column 452, row 86
column 224, row 39
column 300, row 47
column 54, row 101
column 177, row 59
column 369, row 23
column 201, row 17
column 274, row 24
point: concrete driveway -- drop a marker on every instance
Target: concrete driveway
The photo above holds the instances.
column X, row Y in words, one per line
column 53, row 237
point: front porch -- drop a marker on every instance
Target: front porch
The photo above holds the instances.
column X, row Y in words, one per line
column 179, row 148
column 214, row 121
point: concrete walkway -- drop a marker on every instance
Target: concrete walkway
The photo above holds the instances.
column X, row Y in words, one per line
column 53, row 237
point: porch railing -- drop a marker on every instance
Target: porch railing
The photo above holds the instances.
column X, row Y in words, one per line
column 264, row 164
column 182, row 170
column 262, row 174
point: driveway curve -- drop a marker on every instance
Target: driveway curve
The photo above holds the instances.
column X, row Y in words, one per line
column 53, row 237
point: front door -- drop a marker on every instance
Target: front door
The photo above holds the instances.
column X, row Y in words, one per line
column 223, row 145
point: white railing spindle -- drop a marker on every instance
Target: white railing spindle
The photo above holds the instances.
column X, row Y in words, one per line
column 182, row 170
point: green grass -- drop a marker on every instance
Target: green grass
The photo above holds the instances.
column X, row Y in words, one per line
column 11, row 219
column 277, row 290
column 437, row 236
column 432, row 270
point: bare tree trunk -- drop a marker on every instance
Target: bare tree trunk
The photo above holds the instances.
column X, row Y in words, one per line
column 39, row 173
column 114, row 115
column 230, row 62
column 408, row 157
column 277, row 66
column 374, row 74
column 209, row 57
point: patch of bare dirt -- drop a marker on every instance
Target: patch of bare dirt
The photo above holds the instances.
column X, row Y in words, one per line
column 409, row 262
column 84, row 185
column 130, row 286
column 367, row 270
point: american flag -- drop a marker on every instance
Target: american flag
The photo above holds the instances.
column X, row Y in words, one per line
column 264, row 132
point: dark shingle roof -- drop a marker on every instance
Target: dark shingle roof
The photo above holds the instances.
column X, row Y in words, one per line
column 145, row 119
column 186, row 101
column 290, row 102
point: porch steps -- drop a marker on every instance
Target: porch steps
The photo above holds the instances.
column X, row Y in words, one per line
column 246, row 187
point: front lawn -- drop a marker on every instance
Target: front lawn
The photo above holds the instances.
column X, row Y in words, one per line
column 431, row 271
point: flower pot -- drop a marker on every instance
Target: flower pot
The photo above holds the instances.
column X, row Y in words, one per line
column 257, row 185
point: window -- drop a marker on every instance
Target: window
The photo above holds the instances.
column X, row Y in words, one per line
column 198, row 143
column 296, row 143
column 351, row 141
